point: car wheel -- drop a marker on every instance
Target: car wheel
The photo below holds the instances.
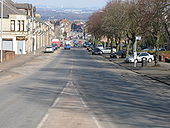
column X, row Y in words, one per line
column 136, row 61
column 149, row 60
column 117, row 56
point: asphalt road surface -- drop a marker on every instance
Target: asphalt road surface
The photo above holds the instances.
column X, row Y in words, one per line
column 118, row 98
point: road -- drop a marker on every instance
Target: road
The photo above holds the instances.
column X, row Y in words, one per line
column 114, row 96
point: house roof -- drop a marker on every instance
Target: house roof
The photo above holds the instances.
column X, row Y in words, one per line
column 23, row 6
column 10, row 8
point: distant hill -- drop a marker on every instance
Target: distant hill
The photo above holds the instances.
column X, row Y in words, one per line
column 68, row 13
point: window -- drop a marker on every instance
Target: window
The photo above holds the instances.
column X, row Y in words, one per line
column 18, row 25
column 143, row 54
column 26, row 12
column 12, row 25
column 22, row 25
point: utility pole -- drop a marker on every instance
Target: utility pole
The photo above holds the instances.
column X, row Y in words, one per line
column 2, row 9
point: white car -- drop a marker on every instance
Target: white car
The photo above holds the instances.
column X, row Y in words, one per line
column 140, row 57
column 49, row 49
column 100, row 47
column 107, row 50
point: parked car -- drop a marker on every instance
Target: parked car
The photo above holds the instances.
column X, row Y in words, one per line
column 162, row 49
column 100, row 47
column 140, row 57
column 90, row 48
column 119, row 54
column 67, row 46
column 107, row 50
column 49, row 49
column 86, row 44
column 148, row 49
column 54, row 46
column 96, row 51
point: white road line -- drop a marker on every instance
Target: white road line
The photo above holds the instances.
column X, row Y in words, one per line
column 96, row 122
column 93, row 117
column 57, row 100
column 84, row 104
column 53, row 105
column 42, row 121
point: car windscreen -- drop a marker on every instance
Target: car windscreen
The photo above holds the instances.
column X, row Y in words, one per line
column 96, row 49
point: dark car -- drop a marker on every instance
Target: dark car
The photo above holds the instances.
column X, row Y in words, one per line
column 162, row 49
column 86, row 44
column 119, row 54
column 90, row 48
column 96, row 51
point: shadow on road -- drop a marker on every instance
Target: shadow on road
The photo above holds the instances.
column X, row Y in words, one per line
column 120, row 96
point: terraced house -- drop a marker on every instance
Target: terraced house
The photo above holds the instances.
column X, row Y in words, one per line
column 23, row 31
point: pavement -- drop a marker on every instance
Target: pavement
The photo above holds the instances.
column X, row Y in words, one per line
column 19, row 60
column 159, row 73
column 7, row 67
column 23, row 65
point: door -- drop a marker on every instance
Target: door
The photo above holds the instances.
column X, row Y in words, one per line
column 7, row 45
column 20, row 47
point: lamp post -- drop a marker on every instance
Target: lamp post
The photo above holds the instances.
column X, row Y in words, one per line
column 2, row 4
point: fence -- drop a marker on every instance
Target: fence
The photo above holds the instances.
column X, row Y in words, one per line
column 8, row 55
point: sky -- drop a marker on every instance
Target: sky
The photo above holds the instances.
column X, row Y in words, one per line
column 66, row 3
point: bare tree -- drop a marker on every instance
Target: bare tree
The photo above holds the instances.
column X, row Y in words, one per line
column 153, row 23
column 114, row 22
column 133, row 20
column 94, row 25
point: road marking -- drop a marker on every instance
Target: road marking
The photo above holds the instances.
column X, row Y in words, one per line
column 42, row 121
column 85, row 105
column 96, row 121
column 52, row 106
column 93, row 117
column 57, row 100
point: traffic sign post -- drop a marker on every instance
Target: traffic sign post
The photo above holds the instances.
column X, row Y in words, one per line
column 135, row 50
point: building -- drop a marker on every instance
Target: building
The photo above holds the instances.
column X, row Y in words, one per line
column 23, row 32
column 63, row 28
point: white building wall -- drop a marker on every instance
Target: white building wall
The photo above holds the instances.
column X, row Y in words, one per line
column 42, row 37
column 14, row 45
